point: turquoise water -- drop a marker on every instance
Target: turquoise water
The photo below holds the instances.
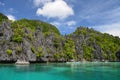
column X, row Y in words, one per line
column 61, row 71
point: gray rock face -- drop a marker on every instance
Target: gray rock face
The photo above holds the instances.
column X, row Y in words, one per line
column 5, row 37
column 24, row 50
column 118, row 55
column 7, row 31
column 27, row 50
column 82, row 39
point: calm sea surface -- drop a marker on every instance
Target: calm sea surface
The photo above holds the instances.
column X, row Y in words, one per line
column 61, row 71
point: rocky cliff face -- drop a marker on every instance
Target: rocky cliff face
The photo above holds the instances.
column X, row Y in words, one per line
column 92, row 45
column 38, row 48
column 36, row 41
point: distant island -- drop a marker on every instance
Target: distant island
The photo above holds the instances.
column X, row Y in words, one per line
column 38, row 41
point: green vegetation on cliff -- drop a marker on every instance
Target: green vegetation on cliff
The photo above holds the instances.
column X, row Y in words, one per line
column 9, row 51
column 32, row 25
column 3, row 17
column 69, row 49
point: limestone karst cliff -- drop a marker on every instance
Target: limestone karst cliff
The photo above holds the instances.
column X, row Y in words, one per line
column 37, row 41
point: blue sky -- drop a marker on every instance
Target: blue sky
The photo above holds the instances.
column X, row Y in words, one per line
column 67, row 15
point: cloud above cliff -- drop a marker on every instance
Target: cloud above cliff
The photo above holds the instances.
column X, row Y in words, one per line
column 113, row 29
column 11, row 17
column 55, row 9
column 37, row 3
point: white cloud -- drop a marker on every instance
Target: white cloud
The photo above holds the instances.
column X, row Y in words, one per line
column 11, row 17
column 56, row 23
column 71, row 23
column 1, row 3
column 113, row 29
column 68, row 23
column 37, row 3
column 99, row 12
column 11, row 10
column 57, row 9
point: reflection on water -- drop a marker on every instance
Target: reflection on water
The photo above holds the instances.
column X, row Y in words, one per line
column 61, row 71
